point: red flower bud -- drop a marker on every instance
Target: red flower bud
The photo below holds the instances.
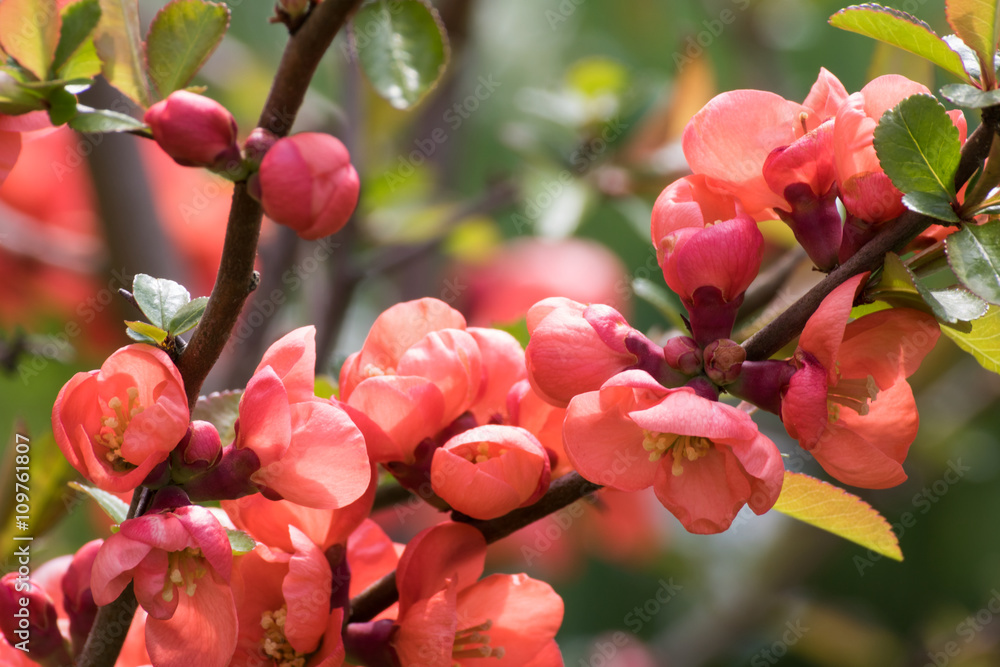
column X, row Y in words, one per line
column 307, row 183
column 194, row 130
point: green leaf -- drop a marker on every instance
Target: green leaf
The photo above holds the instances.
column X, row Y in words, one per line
column 901, row 30
column 188, row 316
column 221, row 409
column 181, row 38
column 919, row 149
column 158, row 298
column 970, row 61
column 61, row 106
column 982, row 340
column 83, row 64
column 29, row 32
column 113, row 506
column 660, row 298
column 975, row 21
column 974, row 255
column 970, row 97
column 119, row 44
column 402, row 48
column 147, row 330
column 79, row 19
column 931, row 204
column 899, row 287
column 834, row 510
column 240, row 542
column 104, row 120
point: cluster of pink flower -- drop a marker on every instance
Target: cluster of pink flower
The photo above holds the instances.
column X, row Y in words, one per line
column 468, row 420
column 643, row 415
column 299, row 478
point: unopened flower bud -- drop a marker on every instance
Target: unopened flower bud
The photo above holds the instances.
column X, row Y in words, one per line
column 196, row 131
column 682, row 353
column 307, row 183
column 78, row 598
column 723, row 360
column 28, row 619
column 199, row 450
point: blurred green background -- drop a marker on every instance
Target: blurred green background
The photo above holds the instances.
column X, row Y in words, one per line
column 561, row 118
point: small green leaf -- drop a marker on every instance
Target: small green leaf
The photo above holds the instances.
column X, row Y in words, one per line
column 970, row 97
column 975, row 21
column 982, row 340
column 970, row 61
column 79, row 19
column 402, row 47
column 61, row 106
column 240, row 542
column 221, row 409
column 834, row 510
column 931, row 204
column 900, row 288
column 901, row 30
column 104, row 120
column 158, row 298
column 29, row 32
column 83, row 64
column 974, row 255
column 147, row 330
column 181, row 38
column 919, row 149
column 188, row 316
column 113, row 506
column 118, row 39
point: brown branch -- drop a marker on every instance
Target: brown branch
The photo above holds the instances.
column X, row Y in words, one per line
column 893, row 237
column 565, row 490
column 235, row 279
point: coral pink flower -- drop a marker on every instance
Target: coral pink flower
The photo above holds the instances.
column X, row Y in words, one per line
column 866, row 191
column 180, row 563
column 709, row 250
column 729, row 140
column 502, row 368
column 490, row 470
column 11, row 128
column 309, row 450
column 284, row 607
column 196, row 131
column 308, row 183
column 525, row 408
column 446, row 617
column 116, row 424
column 528, row 269
column 841, row 367
column 704, row 459
column 574, row 348
column 417, row 372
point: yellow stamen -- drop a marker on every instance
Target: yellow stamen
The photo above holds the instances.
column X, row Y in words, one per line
column 112, row 431
column 471, row 643
column 852, row 393
column 274, row 644
column 680, row 447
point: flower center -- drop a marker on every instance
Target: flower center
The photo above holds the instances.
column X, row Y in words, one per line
column 184, row 568
column 112, row 432
column 681, row 447
column 472, row 643
column 482, row 452
column 274, row 644
column 853, row 393
column 373, row 371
